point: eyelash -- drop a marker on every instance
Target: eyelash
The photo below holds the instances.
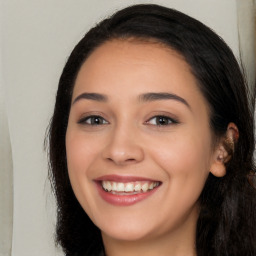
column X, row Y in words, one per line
column 85, row 120
column 162, row 118
column 99, row 120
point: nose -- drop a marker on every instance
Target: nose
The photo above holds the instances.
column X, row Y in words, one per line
column 123, row 147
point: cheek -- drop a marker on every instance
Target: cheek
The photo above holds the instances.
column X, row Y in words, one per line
column 80, row 152
column 186, row 161
column 183, row 151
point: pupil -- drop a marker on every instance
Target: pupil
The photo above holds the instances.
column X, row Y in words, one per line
column 162, row 120
column 96, row 120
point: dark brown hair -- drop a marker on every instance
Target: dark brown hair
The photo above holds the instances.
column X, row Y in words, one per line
column 226, row 224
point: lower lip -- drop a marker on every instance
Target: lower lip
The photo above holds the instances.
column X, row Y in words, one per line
column 123, row 200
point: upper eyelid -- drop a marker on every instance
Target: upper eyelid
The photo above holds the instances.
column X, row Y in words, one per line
column 91, row 114
column 163, row 114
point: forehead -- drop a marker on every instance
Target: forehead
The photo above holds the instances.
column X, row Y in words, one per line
column 135, row 52
column 136, row 67
column 136, row 55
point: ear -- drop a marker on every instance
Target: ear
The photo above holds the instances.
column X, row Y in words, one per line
column 218, row 167
column 224, row 151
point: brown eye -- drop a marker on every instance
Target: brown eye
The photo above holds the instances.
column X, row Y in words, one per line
column 93, row 120
column 161, row 121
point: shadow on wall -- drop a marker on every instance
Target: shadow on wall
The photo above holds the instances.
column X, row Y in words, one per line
column 6, row 182
column 6, row 176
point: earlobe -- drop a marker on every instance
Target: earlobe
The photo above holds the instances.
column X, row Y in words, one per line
column 218, row 167
column 218, row 170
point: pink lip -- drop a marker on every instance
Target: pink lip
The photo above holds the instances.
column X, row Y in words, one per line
column 122, row 200
column 119, row 178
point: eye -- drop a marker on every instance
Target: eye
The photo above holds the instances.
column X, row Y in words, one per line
column 93, row 120
column 161, row 121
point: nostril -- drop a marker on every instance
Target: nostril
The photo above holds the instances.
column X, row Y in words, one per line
column 125, row 160
column 130, row 160
column 120, row 161
column 123, row 154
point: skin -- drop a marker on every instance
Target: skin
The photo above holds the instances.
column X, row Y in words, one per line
column 130, row 143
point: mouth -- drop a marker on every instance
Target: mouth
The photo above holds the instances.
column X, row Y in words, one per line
column 129, row 188
column 125, row 191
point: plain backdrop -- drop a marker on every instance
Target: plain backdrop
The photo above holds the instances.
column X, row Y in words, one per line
column 36, row 39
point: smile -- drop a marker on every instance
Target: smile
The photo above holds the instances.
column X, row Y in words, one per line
column 130, row 188
column 125, row 190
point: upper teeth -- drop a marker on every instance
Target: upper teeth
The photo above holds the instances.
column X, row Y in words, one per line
column 130, row 186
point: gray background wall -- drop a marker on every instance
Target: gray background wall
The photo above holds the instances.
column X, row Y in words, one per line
column 36, row 37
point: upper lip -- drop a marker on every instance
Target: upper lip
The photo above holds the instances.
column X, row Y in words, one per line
column 122, row 178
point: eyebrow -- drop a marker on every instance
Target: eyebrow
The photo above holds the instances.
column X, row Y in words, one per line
column 91, row 96
column 153, row 96
column 146, row 97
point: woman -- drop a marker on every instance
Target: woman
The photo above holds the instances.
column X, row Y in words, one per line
column 151, row 141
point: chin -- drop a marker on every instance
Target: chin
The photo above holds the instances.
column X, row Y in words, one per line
column 126, row 233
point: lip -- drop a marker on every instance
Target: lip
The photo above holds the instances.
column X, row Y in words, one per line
column 120, row 178
column 123, row 200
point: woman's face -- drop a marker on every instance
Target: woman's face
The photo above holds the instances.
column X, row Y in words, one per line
column 138, row 141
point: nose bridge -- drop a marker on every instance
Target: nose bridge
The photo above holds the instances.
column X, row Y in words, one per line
column 123, row 145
